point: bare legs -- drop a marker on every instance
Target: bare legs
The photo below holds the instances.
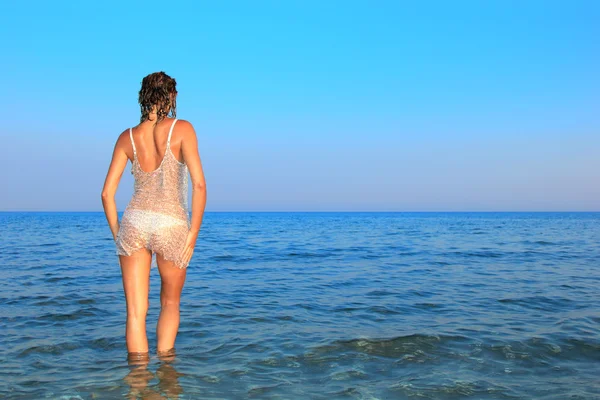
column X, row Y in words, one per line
column 136, row 281
column 172, row 280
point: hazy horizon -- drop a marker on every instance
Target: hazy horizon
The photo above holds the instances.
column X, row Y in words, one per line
column 327, row 212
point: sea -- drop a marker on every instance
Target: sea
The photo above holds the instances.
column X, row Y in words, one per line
column 312, row 305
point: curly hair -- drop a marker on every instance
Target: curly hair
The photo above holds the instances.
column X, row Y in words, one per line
column 158, row 90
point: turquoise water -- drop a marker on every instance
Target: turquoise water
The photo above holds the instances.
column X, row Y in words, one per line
column 313, row 306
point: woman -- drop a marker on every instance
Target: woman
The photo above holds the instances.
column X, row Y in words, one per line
column 162, row 151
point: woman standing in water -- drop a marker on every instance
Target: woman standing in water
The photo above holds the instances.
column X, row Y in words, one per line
column 162, row 151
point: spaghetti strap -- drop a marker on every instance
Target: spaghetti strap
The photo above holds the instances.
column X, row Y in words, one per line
column 170, row 132
column 132, row 142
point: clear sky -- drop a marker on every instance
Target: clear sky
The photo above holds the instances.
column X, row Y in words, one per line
column 312, row 105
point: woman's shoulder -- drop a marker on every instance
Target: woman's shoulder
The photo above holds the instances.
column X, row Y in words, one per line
column 184, row 124
column 123, row 141
column 184, row 127
column 123, row 136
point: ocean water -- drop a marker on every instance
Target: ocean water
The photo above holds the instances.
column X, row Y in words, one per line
column 313, row 306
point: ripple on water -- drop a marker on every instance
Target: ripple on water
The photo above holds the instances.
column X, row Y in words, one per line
column 313, row 305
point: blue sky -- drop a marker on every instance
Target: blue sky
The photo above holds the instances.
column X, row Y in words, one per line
column 312, row 105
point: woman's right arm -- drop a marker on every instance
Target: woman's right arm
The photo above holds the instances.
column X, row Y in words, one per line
column 191, row 156
column 111, row 183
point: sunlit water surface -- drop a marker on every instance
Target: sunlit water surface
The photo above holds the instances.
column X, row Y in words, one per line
column 313, row 306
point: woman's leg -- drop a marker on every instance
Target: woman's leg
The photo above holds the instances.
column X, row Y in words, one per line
column 136, row 281
column 172, row 280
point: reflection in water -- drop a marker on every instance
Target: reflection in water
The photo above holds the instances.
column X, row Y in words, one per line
column 139, row 378
column 168, row 377
column 168, row 381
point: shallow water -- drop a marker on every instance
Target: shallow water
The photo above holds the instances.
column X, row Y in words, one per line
column 313, row 306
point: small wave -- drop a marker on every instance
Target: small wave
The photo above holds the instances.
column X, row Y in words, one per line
column 539, row 302
column 454, row 389
column 71, row 316
column 346, row 309
column 54, row 349
column 382, row 310
column 481, row 254
column 393, row 347
column 539, row 242
column 260, row 390
column 428, row 305
column 53, row 244
column 348, row 375
column 222, row 257
column 379, row 293
column 307, row 254
column 106, row 343
column 582, row 348
column 56, row 279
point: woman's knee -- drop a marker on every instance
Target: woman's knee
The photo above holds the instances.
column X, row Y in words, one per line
column 138, row 311
column 170, row 302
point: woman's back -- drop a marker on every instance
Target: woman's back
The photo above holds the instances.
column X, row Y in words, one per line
column 163, row 188
column 162, row 151
column 151, row 143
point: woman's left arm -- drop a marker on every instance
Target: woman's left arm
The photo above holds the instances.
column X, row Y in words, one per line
column 111, row 183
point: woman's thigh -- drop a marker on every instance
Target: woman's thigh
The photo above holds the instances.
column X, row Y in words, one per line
column 172, row 279
column 135, row 270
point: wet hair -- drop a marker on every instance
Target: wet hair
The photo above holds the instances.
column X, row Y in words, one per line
column 158, row 89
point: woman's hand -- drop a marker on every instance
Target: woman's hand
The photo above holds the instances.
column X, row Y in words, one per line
column 188, row 248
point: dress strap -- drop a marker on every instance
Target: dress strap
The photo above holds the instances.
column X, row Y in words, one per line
column 132, row 142
column 170, row 132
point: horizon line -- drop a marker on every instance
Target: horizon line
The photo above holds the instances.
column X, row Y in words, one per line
column 329, row 211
